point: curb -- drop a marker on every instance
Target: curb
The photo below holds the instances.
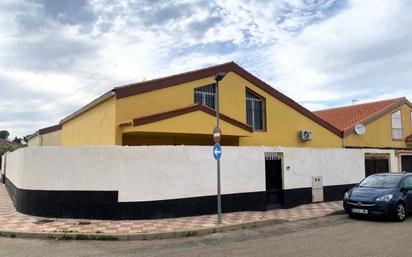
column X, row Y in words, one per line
column 138, row 236
column 147, row 236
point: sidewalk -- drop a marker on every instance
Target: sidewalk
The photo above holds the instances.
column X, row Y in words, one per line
column 15, row 223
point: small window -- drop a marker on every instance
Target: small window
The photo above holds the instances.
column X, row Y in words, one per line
column 255, row 111
column 397, row 132
column 206, row 95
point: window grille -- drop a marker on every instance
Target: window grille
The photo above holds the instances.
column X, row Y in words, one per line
column 255, row 111
column 206, row 95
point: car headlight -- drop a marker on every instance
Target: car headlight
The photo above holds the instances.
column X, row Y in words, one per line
column 346, row 196
column 385, row 198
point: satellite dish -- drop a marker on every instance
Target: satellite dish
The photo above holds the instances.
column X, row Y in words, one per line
column 360, row 129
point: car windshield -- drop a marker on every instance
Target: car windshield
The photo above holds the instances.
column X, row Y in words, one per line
column 381, row 181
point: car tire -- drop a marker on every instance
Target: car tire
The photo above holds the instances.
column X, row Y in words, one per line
column 400, row 212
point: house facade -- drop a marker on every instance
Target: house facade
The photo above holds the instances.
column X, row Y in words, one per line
column 179, row 110
column 50, row 136
column 384, row 124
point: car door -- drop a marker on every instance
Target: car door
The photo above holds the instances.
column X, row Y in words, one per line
column 407, row 184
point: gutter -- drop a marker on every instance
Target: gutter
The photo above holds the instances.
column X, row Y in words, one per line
column 89, row 106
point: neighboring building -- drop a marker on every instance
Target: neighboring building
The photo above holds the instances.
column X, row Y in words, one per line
column 384, row 124
column 50, row 136
column 179, row 110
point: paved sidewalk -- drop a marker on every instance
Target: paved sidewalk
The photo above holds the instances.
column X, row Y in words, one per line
column 11, row 220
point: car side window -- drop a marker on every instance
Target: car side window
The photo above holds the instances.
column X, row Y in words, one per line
column 408, row 182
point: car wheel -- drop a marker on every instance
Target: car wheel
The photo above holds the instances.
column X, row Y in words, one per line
column 400, row 214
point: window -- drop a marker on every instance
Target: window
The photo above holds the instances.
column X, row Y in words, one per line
column 407, row 182
column 397, row 133
column 255, row 111
column 206, row 95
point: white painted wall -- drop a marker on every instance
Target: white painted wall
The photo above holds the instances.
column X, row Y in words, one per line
column 147, row 173
column 3, row 160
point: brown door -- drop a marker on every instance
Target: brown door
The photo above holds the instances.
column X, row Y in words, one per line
column 274, row 191
column 406, row 163
column 373, row 166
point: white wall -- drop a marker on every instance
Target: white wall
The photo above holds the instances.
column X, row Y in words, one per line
column 336, row 166
column 147, row 173
column 3, row 163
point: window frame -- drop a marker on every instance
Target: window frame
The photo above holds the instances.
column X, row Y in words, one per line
column 204, row 93
column 399, row 129
column 263, row 112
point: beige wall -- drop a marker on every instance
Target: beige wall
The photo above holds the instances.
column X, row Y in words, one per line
column 283, row 122
column 96, row 126
column 34, row 141
column 379, row 132
column 49, row 139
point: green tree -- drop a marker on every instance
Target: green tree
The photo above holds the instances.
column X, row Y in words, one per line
column 17, row 140
column 26, row 139
column 4, row 134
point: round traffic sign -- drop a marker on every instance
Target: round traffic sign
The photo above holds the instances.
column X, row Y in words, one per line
column 217, row 151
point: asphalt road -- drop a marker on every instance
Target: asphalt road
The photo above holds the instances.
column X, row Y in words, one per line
column 330, row 236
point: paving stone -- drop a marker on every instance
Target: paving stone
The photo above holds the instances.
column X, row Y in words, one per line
column 11, row 220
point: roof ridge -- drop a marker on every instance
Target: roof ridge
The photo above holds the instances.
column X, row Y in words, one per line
column 362, row 104
column 174, row 75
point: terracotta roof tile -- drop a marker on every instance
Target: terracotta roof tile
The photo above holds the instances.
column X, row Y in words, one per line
column 8, row 145
column 346, row 117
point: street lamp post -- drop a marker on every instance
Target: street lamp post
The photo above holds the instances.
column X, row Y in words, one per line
column 217, row 135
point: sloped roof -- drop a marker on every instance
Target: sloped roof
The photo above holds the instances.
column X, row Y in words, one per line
column 347, row 117
column 174, row 80
column 191, row 108
column 46, row 130
column 150, row 85
column 6, row 145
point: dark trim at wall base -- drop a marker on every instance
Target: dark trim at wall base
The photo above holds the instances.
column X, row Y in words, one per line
column 2, row 178
column 335, row 193
column 104, row 205
column 63, row 204
column 298, row 196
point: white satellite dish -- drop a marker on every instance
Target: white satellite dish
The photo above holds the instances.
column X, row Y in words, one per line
column 360, row 129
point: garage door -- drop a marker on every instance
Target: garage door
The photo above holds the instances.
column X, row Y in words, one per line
column 373, row 166
column 407, row 163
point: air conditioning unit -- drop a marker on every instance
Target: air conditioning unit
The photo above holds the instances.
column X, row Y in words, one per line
column 305, row 135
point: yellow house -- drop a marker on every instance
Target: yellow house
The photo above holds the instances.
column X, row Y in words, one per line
column 384, row 124
column 50, row 136
column 179, row 109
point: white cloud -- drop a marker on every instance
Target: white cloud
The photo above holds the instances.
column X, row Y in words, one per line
column 359, row 53
column 56, row 56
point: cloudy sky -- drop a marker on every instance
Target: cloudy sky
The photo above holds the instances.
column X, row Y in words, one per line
column 55, row 56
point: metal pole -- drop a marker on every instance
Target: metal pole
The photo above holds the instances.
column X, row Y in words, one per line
column 219, row 199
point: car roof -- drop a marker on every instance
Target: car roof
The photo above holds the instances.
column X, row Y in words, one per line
column 394, row 173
